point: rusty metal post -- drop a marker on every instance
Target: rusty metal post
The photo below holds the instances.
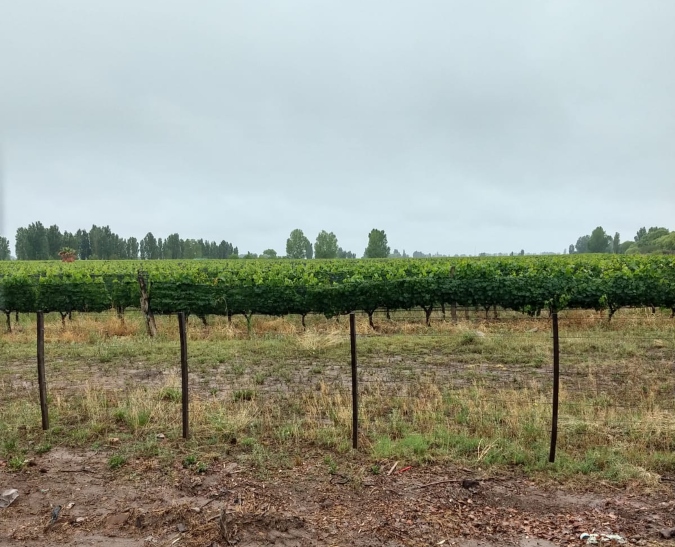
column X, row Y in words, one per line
column 42, row 382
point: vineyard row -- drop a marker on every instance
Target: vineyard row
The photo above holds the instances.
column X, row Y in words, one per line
column 525, row 284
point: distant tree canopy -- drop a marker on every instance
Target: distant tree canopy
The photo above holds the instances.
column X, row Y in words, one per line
column 4, row 249
column 35, row 242
column 38, row 242
column 653, row 240
column 345, row 254
column 377, row 245
column 297, row 245
column 326, row 245
column 599, row 242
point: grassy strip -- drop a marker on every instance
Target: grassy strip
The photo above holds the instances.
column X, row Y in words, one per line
column 476, row 393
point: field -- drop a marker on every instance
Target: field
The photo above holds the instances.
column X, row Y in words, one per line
column 270, row 421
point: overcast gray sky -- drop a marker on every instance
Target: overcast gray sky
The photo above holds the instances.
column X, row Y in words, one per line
column 457, row 127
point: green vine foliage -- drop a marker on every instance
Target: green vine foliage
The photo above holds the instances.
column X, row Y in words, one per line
column 332, row 287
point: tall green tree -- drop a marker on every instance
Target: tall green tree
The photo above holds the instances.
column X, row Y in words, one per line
column 600, row 241
column 225, row 250
column 269, row 253
column 83, row 246
column 22, row 246
column 297, row 245
column 105, row 245
column 4, row 249
column 172, row 247
column 582, row 244
column 377, row 245
column 616, row 244
column 132, row 248
column 54, row 241
column 149, row 249
column 640, row 234
column 326, row 245
column 31, row 242
column 191, row 249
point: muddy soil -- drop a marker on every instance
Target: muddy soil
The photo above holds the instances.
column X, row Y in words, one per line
column 143, row 505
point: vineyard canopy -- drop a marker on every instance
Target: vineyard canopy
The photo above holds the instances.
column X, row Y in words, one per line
column 332, row 287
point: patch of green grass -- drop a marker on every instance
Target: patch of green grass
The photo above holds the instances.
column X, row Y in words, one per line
column 468, row 338
column 9, row 446
column 202, row 467
column 116, row 461
column 43, row 448
column 171, row 394
column 331, row 463
column 189, row 461
column 244, row 395
column 413, row 446
column 16, row 463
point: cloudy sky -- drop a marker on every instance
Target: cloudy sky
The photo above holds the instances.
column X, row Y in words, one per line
column 455, row 126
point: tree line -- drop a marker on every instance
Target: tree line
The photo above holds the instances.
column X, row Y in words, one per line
column 653, row 240
column 37, row 242
column 298, row 246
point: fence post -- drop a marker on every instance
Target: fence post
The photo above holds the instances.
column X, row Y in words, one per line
column 556, row 387
column 355, row 388
column 42, row 383
column 150, row 324
column 182, row 327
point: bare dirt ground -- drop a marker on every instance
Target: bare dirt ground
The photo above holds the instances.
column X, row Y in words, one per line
column 142, row 505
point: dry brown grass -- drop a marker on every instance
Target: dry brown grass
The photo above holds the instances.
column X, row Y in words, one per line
column 427, row 393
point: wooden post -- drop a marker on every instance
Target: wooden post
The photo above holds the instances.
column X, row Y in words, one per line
column 150, row 324
column 42, row 383
column 182, row 326
column 355, row 387
column 556, row 387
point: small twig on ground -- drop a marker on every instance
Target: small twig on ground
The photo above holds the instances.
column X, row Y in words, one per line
column 392, row 468
column 213, row 517
column 205, row 504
